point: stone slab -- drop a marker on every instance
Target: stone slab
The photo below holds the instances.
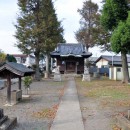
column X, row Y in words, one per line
column 86, row 77
column 69, row 116
column 57, row 77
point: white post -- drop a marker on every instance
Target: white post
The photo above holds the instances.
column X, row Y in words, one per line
column 51, row 63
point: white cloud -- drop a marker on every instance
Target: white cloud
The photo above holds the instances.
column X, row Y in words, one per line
column 66, row 9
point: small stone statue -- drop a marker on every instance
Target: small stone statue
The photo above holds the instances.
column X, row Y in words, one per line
column 57, row 70
column 86, row 75
column 57, row 75
column 86, row 70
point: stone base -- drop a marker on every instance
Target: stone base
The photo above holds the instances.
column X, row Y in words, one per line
column 46, row 75
column 7, row 123
column 57, row 77
column 86, row 77
column 16, row 96
column 26, row 96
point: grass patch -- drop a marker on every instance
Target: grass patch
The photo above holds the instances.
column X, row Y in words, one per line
column 104, row 88
column 107, row 92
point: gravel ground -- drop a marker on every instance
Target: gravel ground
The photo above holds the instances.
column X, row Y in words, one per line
column 44, row 96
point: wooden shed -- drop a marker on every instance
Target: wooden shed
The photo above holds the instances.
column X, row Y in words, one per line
column 10, row 70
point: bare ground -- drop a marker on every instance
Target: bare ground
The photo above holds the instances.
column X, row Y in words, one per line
column 38, row 111
column 101, row 101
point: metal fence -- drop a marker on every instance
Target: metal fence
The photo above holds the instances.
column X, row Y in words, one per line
column 101, row 71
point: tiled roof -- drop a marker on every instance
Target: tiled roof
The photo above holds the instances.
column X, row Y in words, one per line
column 22, row 55
column 69, row 49
column 19, row 55
column 15, row 68
column 110, row 58
column 93, row 59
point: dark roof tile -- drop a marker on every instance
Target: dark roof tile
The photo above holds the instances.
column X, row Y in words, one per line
column 69, row 49
column 15, row 68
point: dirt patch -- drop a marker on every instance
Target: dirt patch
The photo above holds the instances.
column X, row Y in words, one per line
column 101, row 101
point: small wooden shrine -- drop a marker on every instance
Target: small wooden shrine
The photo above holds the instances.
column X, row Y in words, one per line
column 70, row 57
column 10, row 70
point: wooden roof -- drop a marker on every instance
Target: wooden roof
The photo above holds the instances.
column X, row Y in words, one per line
column 15, row 69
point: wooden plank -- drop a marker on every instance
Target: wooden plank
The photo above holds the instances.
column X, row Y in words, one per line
column 19, row 83
column 9, row 88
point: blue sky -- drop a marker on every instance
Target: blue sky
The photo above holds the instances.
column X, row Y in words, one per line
column 66, row 11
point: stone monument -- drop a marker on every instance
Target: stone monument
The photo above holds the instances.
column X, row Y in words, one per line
column 96, row 74
column 7, row 123
column 86, row 75
column 57, row 75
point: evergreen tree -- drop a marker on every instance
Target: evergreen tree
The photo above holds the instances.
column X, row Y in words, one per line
column 10, row 58
column 115, row 11
column 37, row 29
column 120, row 42
column 2, row 56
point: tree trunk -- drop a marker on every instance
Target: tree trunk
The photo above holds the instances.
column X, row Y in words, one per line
column 125, row 68
column 47, row 65
column 86, row 60
column 37, row 73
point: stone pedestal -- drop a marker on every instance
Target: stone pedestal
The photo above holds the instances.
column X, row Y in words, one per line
column 96, row 75
column 57, row 77
column 86, row 77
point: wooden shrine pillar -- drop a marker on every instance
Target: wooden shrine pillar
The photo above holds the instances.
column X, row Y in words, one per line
column 9, row 88
column 19, row 83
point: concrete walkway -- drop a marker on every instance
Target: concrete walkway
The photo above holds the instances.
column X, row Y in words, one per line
column 69, row 116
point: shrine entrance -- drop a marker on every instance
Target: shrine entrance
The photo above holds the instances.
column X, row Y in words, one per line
column 70, row 66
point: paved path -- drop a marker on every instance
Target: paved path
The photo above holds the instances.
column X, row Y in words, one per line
column 68, row 116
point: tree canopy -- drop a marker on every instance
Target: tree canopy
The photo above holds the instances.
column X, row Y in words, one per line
column 113, row 11
column 113, row 19
column 120, row 40
column 89, row 22
column 10, row 58
column 2, row 56
column 38, row 29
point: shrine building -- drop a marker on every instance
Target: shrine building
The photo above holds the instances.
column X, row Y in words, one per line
column 70, row 57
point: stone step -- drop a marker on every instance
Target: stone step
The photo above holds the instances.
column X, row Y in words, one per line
column 9, row 124
column 3, row 119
